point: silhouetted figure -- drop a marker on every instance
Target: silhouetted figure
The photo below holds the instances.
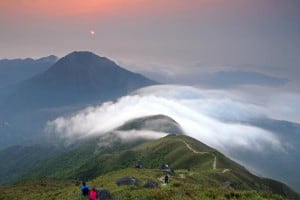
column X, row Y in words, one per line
column 85, row 189
column 166, row 179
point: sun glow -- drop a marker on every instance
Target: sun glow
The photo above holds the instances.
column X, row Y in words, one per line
column 65, row 8
column 48, row 8
column 92, row 32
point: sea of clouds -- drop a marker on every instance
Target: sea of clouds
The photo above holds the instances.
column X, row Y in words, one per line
column 216, row 118
column 251, row 125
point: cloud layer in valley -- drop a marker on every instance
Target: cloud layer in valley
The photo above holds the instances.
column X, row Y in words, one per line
column 252, row 126
column 208, row 116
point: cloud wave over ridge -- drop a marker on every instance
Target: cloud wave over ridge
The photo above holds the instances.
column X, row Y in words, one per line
column 208, row 116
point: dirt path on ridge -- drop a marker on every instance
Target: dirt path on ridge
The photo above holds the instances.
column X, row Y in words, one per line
column 201, row 152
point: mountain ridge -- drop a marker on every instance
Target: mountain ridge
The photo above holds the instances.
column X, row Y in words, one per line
column 191, row 168
column 72, row 82
column 13, row 71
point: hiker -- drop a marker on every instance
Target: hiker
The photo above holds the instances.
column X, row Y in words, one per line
column 166, row 179
column 85, row 189
column 93, row 194
column 137, row 166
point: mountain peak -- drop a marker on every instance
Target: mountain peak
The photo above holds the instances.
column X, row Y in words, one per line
column 82, row 54
column 83, row 60
column 157, row 123
column 76, row 53
column 78, row 77
column 81, row 68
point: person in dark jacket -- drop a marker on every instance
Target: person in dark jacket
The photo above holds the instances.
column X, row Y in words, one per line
column 85, row 189
column 166, row 179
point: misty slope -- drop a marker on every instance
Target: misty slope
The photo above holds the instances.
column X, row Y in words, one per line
column 287, row 163
column 157, row 123
column 73, row 160
column 13, row 71
column 16, row 160
column 74, row 81
column 93, row 159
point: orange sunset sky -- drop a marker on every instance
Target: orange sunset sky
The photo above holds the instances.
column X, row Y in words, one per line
column 167, row 32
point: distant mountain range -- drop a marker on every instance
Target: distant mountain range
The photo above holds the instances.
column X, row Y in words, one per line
column 193, row 162
column 234, row 78
column 13, row 71
column 74, row 81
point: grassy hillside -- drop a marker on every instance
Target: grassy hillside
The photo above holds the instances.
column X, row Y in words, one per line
column 183, row 184
column 201, row 166
column 69, row 165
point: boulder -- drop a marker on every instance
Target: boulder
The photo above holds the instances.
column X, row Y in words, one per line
column 166, row 168
column 151, row 184
column 229, row 184
column 104, row 194
column 127, row 181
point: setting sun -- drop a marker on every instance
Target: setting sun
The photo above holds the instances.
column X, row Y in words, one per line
column 92, row 32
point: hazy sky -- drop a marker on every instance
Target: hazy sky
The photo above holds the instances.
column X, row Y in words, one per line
column 171, row 35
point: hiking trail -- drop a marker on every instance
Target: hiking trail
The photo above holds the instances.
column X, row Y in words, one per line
column 205, row 152
column 202, row 152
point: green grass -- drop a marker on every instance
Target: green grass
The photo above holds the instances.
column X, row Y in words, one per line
column 183, row 184
column 195, row 177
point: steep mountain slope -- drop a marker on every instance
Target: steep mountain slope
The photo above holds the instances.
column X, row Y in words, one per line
column 13, row 71
column 200, row 162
